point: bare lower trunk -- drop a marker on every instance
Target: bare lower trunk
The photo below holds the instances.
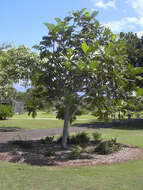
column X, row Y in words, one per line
column 65, row 129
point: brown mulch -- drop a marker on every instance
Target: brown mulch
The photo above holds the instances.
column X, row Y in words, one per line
column 35, row 156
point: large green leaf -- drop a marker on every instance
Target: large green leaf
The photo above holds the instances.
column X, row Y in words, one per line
column 81, row 64
column 58, row 20
column 139, row 92
column 135, row 70
column 51, row 27
column 84, row 47
column 94, row 64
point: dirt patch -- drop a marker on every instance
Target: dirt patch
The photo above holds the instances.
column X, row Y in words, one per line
column 35, row 154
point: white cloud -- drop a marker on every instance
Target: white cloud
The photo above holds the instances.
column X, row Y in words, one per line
column 132, row 23
column 137, row 6
column 133, row 20
column 102, row 4
column 141, row 21
column 120, row 25
column 115, row 26
column 139, row 33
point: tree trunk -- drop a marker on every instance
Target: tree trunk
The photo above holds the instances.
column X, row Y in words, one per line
column 65, row 129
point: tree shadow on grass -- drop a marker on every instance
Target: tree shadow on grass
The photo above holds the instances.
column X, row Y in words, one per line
column 132, row 124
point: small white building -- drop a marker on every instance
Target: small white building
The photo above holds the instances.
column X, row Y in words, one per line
column 18, row 107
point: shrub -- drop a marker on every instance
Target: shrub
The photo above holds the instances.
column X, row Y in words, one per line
column 97, row 137
column 76, row 153
column 48, row 139
column 49, row 153
column 22, row 144
column 14, row 150
column 79, row 138
column 42, row 141
column 108, row 147
column 5, row 112
column 59, row 139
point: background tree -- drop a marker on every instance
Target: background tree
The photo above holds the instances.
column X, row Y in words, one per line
column 3, row 72
column 16, row 65
column 134, row 46
column 21, row 63
column 81, row 59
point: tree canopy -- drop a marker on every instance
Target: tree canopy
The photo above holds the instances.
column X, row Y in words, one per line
column 80, row 60
column 16, row 65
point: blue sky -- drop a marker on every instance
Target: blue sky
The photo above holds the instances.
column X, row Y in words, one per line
column 22, row 21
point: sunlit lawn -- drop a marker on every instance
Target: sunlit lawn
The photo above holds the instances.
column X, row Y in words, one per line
column 30, row 124
column 42, row 114
column 123, row 176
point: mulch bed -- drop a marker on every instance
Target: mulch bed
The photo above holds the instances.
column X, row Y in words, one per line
column 35, row 155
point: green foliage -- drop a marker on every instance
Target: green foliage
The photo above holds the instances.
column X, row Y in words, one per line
column 59, row 139
column 17, row 64
column 84, row 47
column 21, row 63
column 49, row 153
column 139, row 92
column 75, row 66
column 48, row 139
column 61, row 112
column 8, row 93
column 79, row 138
column 22, row 144
column 42, row 141
column 14, row 150
column 33, row 104
column 134, row 48
column 96, row 137
column 80, row 55
column 4, row 79
column 108, row 147
column 6, row 112
column 76, row 153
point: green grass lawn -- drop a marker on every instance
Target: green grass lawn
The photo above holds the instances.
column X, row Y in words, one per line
column 42, row 114
column 30, row 124
column 123, row 176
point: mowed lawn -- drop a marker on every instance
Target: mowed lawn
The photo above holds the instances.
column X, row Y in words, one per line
column 123, row 176
column 30, row 124
column 42, row 114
